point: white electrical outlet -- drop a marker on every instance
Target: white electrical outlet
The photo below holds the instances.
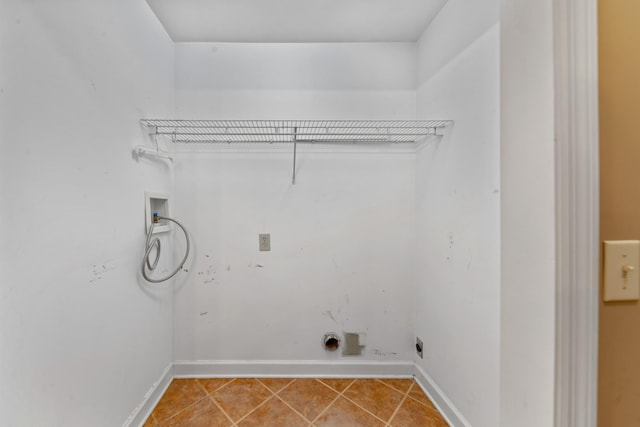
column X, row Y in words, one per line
column 264, row 242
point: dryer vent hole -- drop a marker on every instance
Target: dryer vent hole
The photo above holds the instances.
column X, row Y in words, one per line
column 331, row 342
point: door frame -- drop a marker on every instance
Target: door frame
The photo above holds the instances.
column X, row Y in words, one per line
column 577, row 211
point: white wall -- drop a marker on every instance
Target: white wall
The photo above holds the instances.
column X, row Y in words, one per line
column 528, row 214
column 340, row 255
column 342, row 237
column 458, row 205
column 296, row 81
column 81, row 339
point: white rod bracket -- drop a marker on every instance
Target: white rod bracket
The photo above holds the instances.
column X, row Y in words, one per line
column 140, row 150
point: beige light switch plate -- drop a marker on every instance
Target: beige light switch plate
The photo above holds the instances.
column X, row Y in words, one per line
column 621, row 270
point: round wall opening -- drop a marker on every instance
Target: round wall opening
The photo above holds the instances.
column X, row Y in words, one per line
column 331, row 341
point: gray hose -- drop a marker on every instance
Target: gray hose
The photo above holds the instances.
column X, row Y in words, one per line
column 146, row 262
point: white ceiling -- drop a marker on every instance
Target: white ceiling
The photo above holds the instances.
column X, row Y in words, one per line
column 284, row 21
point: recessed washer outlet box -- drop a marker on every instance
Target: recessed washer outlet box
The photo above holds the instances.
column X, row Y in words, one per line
column 157, row 203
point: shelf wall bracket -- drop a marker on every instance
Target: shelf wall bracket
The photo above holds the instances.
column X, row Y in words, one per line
column 295, row 149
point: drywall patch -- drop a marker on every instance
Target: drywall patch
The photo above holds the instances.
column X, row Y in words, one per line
column 352, row 345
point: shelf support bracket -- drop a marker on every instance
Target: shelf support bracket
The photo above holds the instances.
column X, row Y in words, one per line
column 295, row 149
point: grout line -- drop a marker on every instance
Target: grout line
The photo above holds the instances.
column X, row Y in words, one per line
column 292, row 408
column 366, row 410
column 431, row 406
column 340, row 394
column 209, row 395
column 183, row 409
column 394, row 388
column 261, row 404
column 256, row 408
column 406, row 395
column 277, row 396
column 215, row 389
column 310, row 421
column 276, row 392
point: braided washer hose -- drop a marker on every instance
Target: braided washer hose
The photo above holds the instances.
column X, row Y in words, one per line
column 155, row 243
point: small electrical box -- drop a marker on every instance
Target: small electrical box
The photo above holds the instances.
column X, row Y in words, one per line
column 157, row 203
column 621, row 268
column 264, row 242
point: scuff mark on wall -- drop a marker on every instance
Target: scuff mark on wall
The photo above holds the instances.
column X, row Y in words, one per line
column 98, row 271
column 377, row 352
column 209, row 273
column 329, row 314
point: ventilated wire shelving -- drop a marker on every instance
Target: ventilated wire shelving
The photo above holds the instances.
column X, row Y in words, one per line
column 294, row 131
column 297, row 131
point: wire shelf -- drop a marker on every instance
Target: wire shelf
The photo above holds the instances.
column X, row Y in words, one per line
column 295, row 131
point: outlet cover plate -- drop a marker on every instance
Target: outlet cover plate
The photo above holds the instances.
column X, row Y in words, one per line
column 264, row 242
column 621, row 270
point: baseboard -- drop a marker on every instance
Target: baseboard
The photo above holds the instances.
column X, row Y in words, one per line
column 151, row 399
column 442, row 402
column 292, row 368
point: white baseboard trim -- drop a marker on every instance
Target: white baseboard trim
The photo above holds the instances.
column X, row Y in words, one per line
column 292, row 368
column 151, row 399
column 439, row 399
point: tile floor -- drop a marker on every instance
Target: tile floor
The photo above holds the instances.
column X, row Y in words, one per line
column 287, row 402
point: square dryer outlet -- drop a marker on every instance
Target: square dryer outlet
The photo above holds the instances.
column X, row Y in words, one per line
column 156, row 203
